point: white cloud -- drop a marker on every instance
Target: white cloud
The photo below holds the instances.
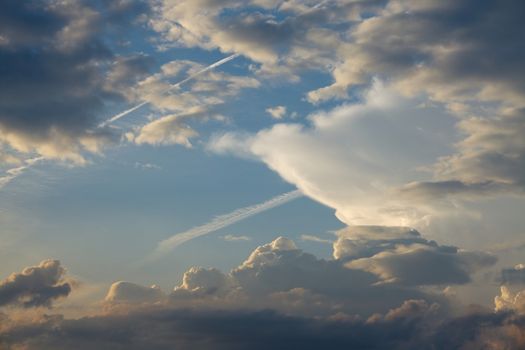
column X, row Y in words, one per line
column 366, row 150
column 234, row 238
column 277, row 112
column 127, row 292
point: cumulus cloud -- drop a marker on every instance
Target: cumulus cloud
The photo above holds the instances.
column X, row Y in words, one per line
column 425, row 46
column 60, row 64
column 279, row 296
column 35, row 286
column 127, row 292
column 366, row 276
column 281, row 36
column 277, row 112
column 507, row 300
column 401, row 255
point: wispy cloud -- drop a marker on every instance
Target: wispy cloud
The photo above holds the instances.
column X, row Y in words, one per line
column 233, row 238
column 223, row 221
column 312, row 238
column 172, row 87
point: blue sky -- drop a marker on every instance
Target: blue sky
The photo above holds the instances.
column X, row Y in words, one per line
column 399, row 122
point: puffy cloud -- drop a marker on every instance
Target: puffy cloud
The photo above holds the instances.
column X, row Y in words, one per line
column 367, row 149
column 35, row 285
column 436, row 48
column 198, row 281
column 168, row 130
column 282, row 36
column 307, row 303
column 197, row 99
column 54, row 65
column 367, row 275
column 489, row 160
column 510, row 301
column 126, row 292
column 234, row 238
column 277, row 112
column 402, row 256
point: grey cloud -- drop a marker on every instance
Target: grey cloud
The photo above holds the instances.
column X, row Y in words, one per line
column 515, row 275
column 280, row 276
column 453, row 50
column 404, row 257
column 35, row 286
column 411, row 326
column 489, row 161
column 53, row 62
column 191, row 329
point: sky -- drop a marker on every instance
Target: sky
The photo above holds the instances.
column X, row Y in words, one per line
column 232, row 174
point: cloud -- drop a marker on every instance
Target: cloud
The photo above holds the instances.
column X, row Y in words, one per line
column 435, row 48
column 282, row 37
column 123, row 73
column 510, row 301
column 168, row 130
column 198, row 94
column 234, row 238
column 515, row 275
column 402, row 256
column 59, row 63
column 277, row 112
column 279, row 296
column 35, row 286
column 280, row 276
column 126, row 292
column 412, row 325
column 192, row 329
column 367, row 149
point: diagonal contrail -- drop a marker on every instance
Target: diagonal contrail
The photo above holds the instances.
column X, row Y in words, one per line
column 13, row 173
column 173, row 86
column 223, row 221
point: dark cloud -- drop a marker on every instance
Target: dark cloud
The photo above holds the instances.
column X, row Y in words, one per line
column 54, row 65
column 515, row 275
column 185, row 329
column 411, row 326
column 35, row 286
column 402, row 256
column 489, row 161
column 453, row 50
column 494, row 331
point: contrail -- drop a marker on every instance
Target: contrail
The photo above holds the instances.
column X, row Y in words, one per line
column 173, row 86
column 13, row 173
column 223, row 221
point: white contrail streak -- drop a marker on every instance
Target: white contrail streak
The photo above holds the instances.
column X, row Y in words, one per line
column 223, row 221
column 173, row 86
column 13, row 173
